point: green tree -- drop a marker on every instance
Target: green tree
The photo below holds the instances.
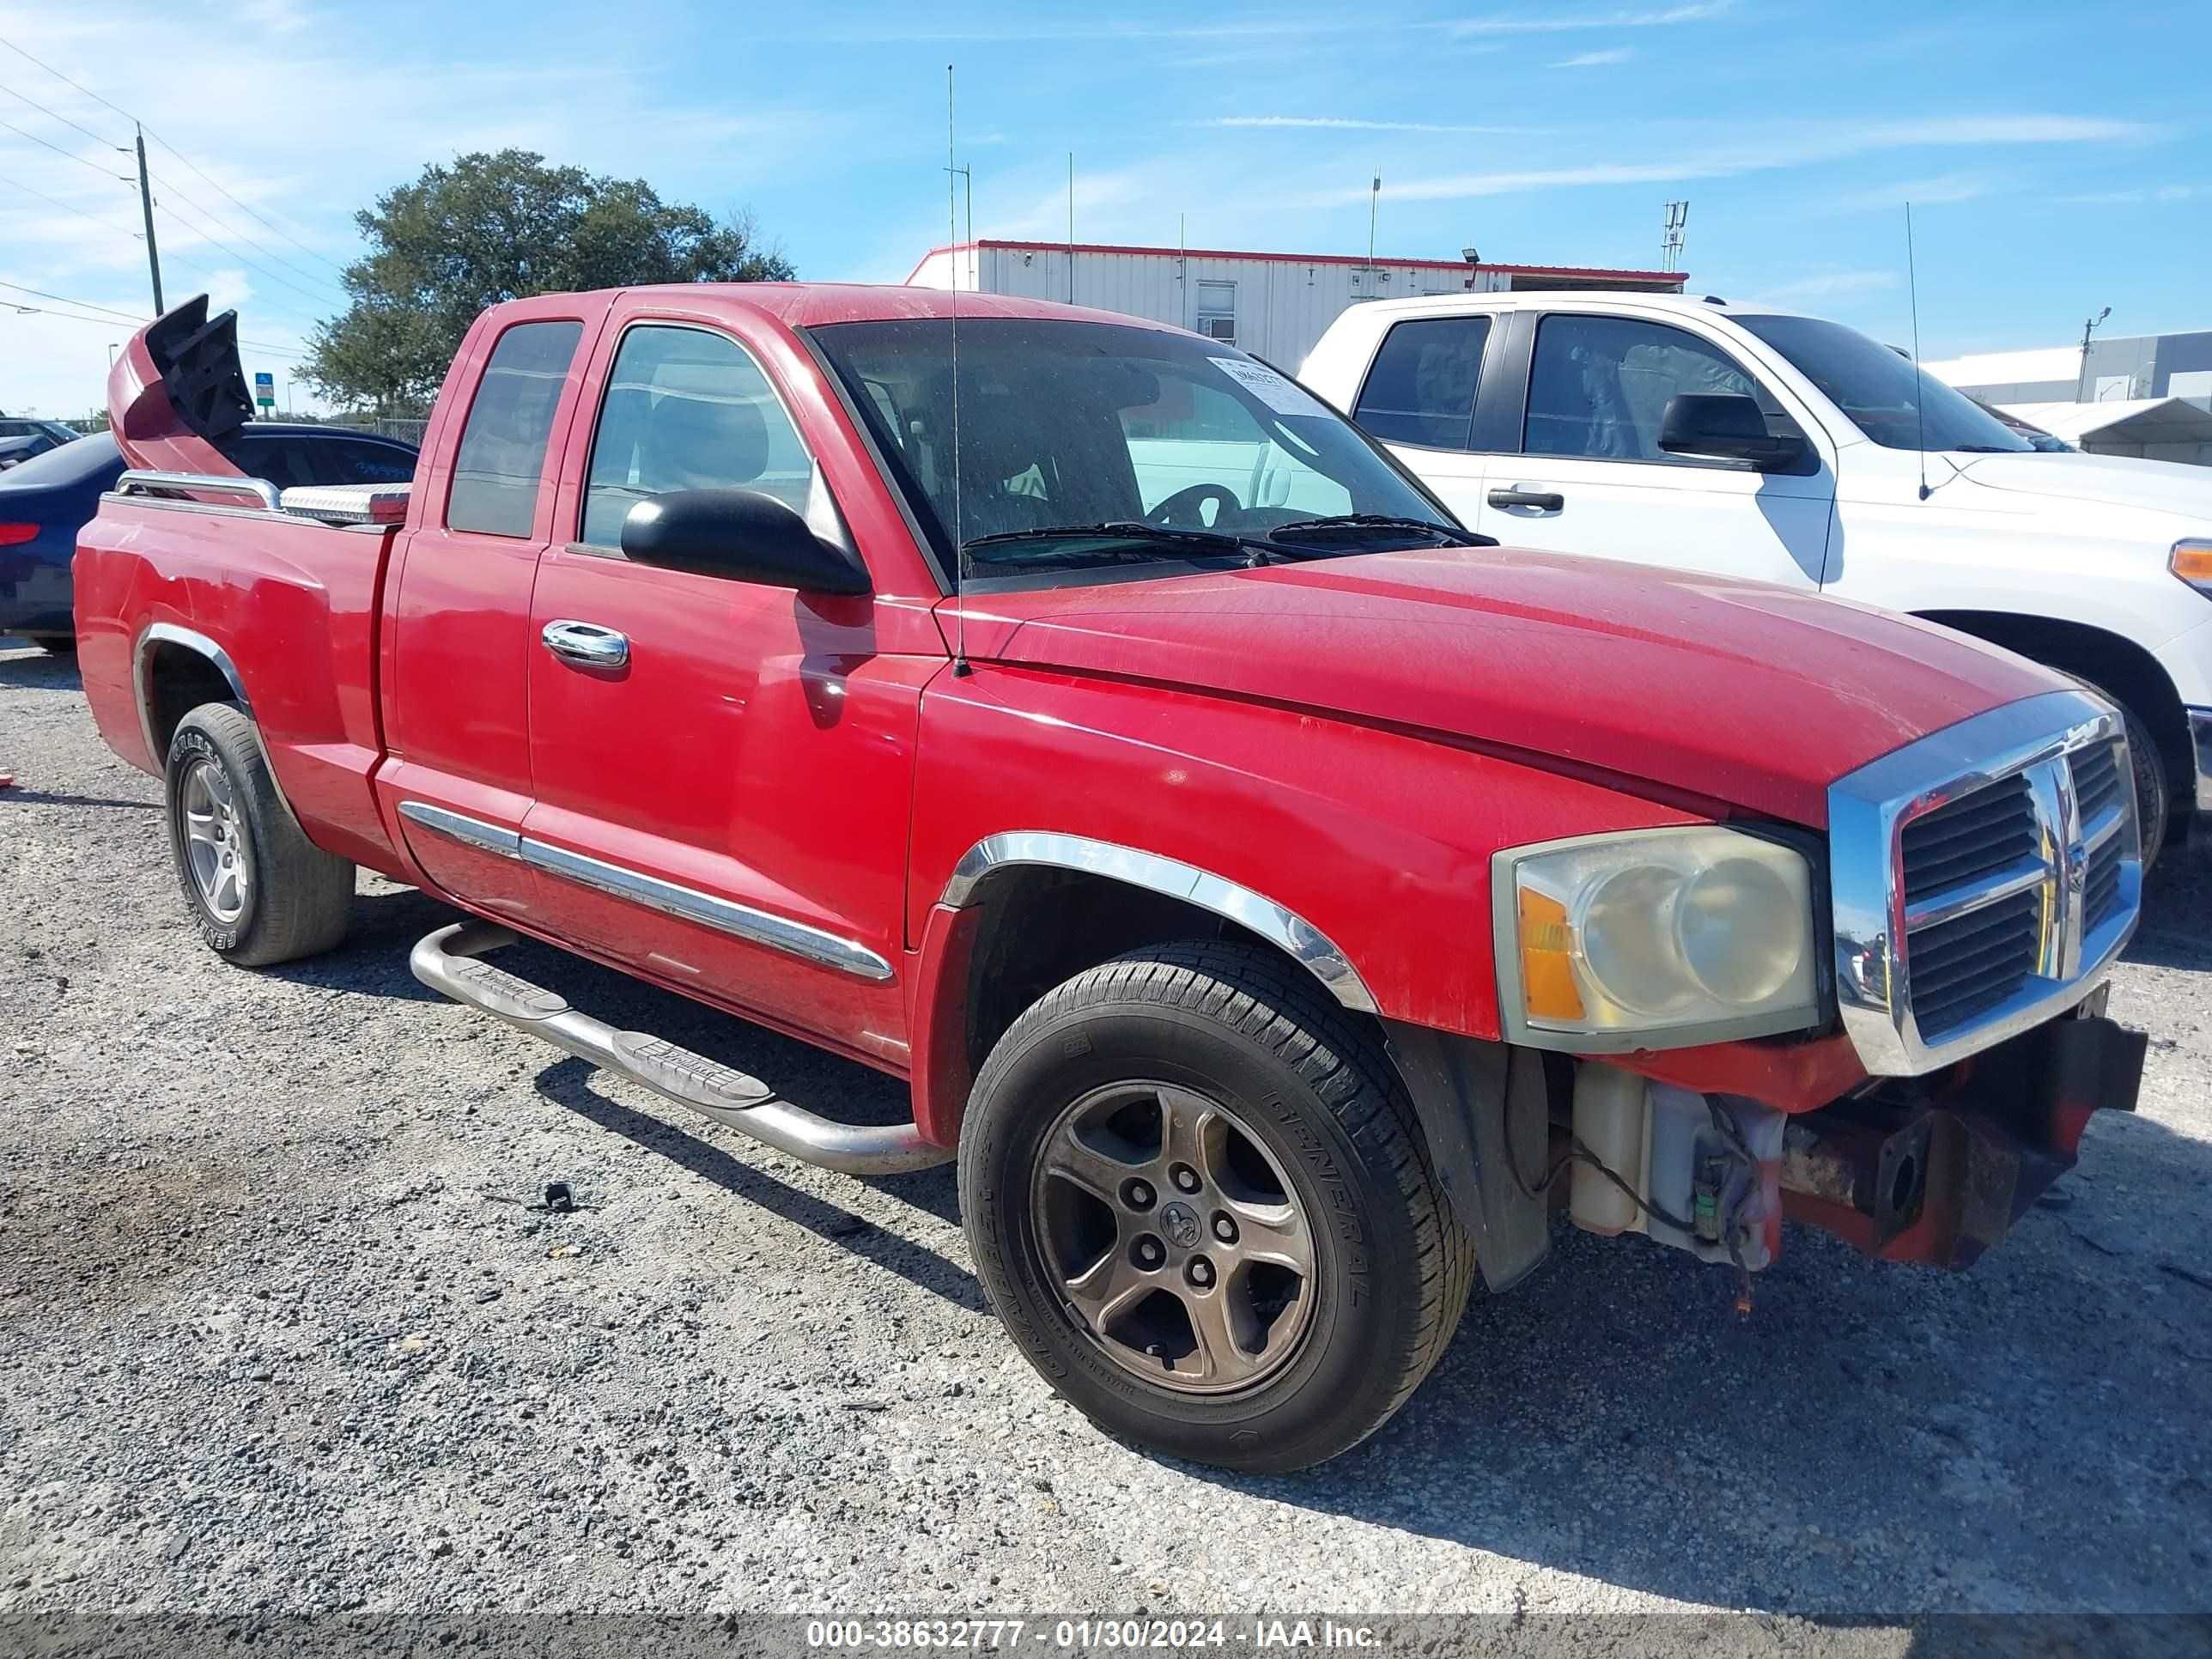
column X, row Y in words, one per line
column 490, row 227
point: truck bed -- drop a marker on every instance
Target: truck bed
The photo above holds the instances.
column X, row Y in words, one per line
column 164, row 570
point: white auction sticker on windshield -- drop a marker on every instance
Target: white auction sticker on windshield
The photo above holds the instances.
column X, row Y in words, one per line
column 1283, row 396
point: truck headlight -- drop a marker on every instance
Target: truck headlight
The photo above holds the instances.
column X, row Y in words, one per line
column 2192, row 561
column 1654, row 938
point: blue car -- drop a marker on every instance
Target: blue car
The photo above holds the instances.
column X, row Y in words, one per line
column 44, row 501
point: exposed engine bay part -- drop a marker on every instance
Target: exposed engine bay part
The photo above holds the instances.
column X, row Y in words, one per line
column 1938, row 1175
column 1700, row 1173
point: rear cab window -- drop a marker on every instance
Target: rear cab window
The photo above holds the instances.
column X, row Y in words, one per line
column 502, row 459
column 1421, row 389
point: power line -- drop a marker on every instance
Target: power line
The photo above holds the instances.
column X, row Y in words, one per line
column 67, row 207
column 278, row 228
column 56, row 115
column 217, row 241
column 278, row 258
column 85, row 305
column 134, row 322
column 58, row 150
column 174, row 151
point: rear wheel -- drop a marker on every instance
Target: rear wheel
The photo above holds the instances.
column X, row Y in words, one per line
column 55, row 645
column 260, row 891
column 1197, row 1198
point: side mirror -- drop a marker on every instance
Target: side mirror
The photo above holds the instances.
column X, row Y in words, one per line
column 739, row 533
column 1728, row 425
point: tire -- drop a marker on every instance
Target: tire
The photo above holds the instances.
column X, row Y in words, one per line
column 2154, row 792
column 289, row 898
column 1247, row 1039
column 55, row 645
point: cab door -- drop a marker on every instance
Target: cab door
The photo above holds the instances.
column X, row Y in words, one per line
column 1418, row 398
column 457, row 641
column 723, row 769
column 1590, row 476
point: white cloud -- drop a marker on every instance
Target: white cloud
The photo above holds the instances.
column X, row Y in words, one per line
column 1783, row 147
column 1827, row 286
column 1346, row 124
column 1936, row 191
column 1552, row 22
column 2141, row 196
column 288, row 121
column 1595, row 59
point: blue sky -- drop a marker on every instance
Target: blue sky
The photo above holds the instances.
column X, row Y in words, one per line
column 2058, row 155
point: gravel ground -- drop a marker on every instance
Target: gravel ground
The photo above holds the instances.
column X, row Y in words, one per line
column 283, row 1326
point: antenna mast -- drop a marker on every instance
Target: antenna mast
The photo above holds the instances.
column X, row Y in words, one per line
column 1671, row 233
column 952, row 316
column 1919, row 374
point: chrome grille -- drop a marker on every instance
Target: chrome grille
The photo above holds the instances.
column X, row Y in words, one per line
column 1969, row 839
column 1969, row 964
column 2100, row 888
column 1973, row 869
column 1983, row 879
column 2096, row 778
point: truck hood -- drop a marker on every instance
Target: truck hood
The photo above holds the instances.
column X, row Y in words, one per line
column 2104, row 480
column 1662, row 682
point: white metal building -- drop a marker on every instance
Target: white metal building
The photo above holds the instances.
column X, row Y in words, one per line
column 1274, row 306
column 2149, row 428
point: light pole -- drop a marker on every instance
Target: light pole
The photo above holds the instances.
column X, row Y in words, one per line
column 2082, row 379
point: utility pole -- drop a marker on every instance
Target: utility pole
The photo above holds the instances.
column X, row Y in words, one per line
column 146, row 202
column 2082, row 379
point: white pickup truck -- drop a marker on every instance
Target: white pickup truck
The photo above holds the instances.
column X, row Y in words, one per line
column 1759, row 443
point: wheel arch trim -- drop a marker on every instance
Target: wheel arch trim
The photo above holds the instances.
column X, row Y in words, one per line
column 142, row 660
column 1278, row 924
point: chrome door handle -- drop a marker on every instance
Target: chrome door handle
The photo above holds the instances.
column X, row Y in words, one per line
column 587, row 644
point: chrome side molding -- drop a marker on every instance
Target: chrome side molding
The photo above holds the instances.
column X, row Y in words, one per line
column 469, row 832
column 796, row 939
column 1314, row 949
column 449, row 963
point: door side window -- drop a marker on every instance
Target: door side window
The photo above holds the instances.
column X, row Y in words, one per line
column 1598, row 386
column 503, row 453
column 686, row 410
column 1421, row 389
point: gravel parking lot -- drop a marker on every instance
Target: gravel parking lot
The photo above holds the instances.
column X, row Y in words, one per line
column 283, row 1326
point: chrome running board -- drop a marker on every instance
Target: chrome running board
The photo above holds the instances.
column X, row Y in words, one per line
column 450, row 962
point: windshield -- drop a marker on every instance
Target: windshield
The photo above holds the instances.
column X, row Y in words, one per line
column 1074, row 437
column 1893, row 402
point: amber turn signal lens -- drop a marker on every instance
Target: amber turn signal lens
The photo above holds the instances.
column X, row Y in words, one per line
column 2192, row 562
column 1547, row 959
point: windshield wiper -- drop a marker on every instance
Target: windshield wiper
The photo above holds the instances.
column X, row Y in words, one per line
column 1357, row 521
column 1219, row 542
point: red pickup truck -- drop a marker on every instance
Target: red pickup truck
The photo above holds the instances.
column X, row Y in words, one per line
column 1280, row 898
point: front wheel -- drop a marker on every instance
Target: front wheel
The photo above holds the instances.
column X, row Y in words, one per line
column 260, row 891
column 1197, row 1198
column 2154, row 795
